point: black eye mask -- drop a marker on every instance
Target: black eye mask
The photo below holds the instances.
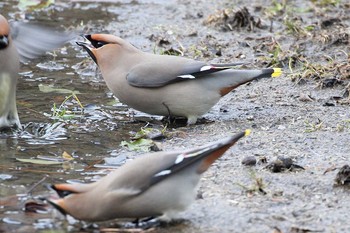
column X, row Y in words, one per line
column 95, row 43
column 4, row 41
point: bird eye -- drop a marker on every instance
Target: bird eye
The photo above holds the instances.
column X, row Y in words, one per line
column 98, row 44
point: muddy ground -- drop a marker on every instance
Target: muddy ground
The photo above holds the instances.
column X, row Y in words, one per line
column 303, row 115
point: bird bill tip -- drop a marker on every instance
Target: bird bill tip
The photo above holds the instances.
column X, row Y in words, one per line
column 57, row 204
column 89, row 48
column 276, row 72
column 247, row 132
column 84, row 44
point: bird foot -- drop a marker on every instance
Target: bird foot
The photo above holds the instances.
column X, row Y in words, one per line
column 153, row 222
column 146, row 223
column 174, row 121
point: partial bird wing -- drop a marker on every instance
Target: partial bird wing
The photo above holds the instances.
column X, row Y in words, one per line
column 32, row 40
column 201, row 158
column 151, row 74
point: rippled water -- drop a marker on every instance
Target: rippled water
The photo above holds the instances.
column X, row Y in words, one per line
column 90, row 135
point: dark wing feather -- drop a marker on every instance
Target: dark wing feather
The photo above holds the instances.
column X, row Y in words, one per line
column 150, row 74
column 205, row 70
column 196, row 156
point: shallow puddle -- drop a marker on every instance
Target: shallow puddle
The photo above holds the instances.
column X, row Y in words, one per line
column 90, row 135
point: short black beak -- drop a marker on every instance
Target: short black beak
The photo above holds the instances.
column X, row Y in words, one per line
column 59, row 208
column 86, row 44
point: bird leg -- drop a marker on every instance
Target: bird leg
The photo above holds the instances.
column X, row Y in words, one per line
column 146, row 223
column 168, row 109
column 169, row 119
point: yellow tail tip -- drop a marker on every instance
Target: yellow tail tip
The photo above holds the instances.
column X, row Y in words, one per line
column 247, row 132
column 276, row 72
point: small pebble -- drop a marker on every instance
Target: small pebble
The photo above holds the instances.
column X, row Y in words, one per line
column 343, row 176
column 283, row 163
column 249, row 161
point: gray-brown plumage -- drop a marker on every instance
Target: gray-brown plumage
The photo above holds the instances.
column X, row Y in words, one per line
column 9, row 68
column 164, row 85
column 20, row 42
column 158, row 184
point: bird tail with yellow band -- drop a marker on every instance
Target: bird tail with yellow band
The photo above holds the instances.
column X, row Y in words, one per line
column 276, row 72
column 270, row 72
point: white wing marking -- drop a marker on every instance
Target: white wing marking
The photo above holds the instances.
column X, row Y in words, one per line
column 186, row 76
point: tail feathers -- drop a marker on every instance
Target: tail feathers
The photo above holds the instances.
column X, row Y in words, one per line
column 219, row 151
column 226, row 83
column 276, row 72
column 271, row 72
column 204, row 156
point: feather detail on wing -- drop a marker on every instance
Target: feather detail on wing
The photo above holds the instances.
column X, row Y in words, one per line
column 148, row 74
column 203, row 156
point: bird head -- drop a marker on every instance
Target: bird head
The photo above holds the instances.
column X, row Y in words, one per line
column 4, row 32
column 105, row 47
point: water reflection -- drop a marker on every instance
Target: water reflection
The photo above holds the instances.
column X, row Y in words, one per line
column 43, row 133
column 55, row 124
